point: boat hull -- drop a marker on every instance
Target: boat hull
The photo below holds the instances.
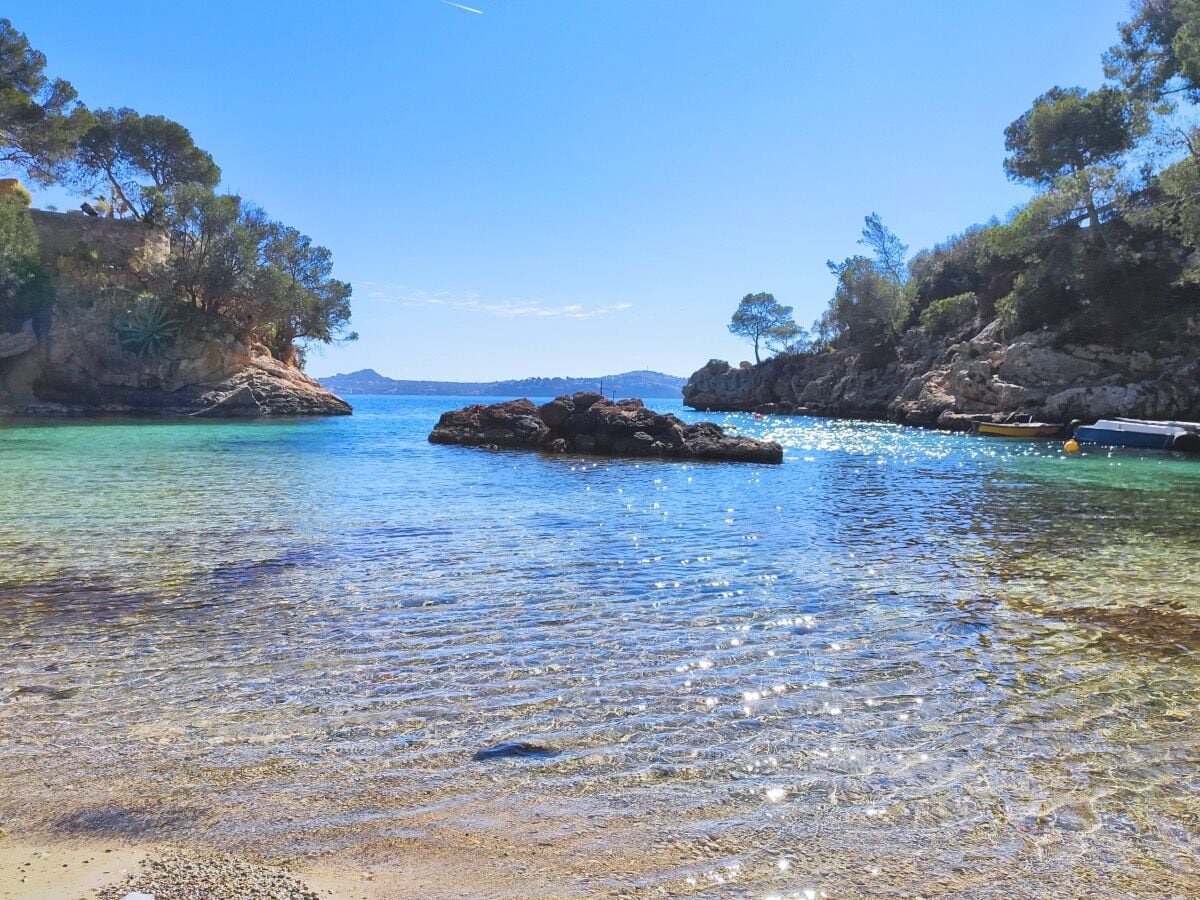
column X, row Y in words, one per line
column 1034, row 430
column 1107, row 437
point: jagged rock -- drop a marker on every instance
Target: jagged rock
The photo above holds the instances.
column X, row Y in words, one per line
column 514, row 424
column 18, row 342
column 588, row 423
column 79, row 368
column 932, row 384
column 556, row 413
column 238, row 404
column 282, row 390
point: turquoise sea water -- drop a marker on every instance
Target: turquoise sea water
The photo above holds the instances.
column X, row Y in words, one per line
column 902, row 661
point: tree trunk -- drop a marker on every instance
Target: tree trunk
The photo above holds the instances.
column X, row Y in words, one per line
column 115, row 188
column 1094, row 216
column 756, row 359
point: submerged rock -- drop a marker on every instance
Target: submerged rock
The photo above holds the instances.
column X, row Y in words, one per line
column 588, row 423
column 41, row 690
column 515, row 748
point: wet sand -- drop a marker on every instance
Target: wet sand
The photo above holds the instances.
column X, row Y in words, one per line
column 57, row 869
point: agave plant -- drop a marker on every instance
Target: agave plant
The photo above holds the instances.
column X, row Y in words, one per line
column 148, row 327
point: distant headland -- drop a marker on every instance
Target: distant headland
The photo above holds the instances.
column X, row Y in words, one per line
column 628, row 384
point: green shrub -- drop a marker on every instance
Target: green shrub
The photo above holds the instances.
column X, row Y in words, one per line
column 949, row 313
column 1006, row 315
column 24, row 288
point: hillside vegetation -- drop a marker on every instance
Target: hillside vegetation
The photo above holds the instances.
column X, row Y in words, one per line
column 227, row 264
column 1108, row 252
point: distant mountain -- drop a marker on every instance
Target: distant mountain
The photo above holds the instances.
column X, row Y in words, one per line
column 628, row 384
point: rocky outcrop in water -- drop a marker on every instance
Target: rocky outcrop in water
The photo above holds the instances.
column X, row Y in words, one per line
column 78, row 367
column 588, row 423
column 923, row 381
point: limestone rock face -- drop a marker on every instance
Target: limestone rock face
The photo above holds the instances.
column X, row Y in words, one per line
column 73, row 362
column 980, row 377
column 267, row 387
column 18, row 342
column 588, row 423
column 79, row 367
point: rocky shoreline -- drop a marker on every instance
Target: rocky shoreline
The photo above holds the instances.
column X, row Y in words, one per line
column 69, row 358
column 589, row 423
column 978, row 377
column 76, row 367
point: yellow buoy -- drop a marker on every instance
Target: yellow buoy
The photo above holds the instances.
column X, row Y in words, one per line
column 1071, row 446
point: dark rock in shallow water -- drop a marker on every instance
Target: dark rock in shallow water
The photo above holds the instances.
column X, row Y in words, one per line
column 588, row 423
column 515, row 748
column 50, row 693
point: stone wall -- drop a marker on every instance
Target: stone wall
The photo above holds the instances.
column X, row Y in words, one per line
column 115, row 240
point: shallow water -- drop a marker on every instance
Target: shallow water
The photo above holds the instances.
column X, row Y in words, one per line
column 902, row 662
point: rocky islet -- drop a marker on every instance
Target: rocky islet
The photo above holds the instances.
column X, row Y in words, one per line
column 589, row 423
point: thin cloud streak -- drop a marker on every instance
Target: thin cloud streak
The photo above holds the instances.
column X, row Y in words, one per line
column 470, row 9
column 505, row 309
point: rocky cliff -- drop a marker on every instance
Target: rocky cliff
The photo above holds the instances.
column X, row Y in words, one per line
column 72, row 361
column 924, row 381
column 78, row 367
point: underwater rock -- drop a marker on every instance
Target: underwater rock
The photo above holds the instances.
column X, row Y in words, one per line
column 515, row 749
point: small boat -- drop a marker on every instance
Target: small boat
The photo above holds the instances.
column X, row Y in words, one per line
column 1019, row 429
column 1189, row 426
column 1137, row 433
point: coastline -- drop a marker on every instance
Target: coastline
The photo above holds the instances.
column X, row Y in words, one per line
column 927, row 381
column 553, row 855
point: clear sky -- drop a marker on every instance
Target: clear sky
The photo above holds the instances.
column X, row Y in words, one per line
column 584, row 187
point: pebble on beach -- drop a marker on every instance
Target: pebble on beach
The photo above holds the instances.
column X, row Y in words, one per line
column 183, row 875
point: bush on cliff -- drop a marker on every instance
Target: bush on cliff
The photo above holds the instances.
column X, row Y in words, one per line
column 24, row 288
column 869, row 306
column 959, row 265
column 272, row 282
column 950, row 313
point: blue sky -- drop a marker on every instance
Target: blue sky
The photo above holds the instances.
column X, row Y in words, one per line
column 585, row 186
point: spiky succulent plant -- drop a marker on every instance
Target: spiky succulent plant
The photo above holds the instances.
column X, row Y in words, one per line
column 147, row 327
